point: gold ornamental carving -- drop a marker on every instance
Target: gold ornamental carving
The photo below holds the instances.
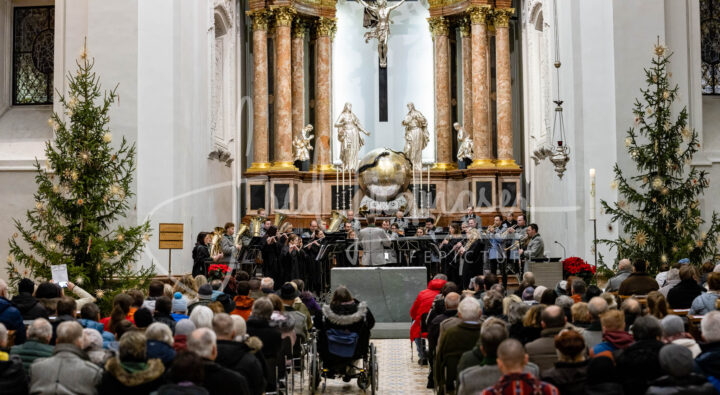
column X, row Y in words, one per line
column 501, row 16
column 284, row 16
column 260, row 20
column 326, row 27
column 299, row 28
column 478, row 14
column 439, row 26
column 464, row 26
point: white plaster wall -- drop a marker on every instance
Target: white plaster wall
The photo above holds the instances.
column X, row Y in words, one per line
column 410, row 74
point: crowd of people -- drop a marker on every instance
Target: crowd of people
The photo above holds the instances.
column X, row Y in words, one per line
column 633, row 337
column 236, row 336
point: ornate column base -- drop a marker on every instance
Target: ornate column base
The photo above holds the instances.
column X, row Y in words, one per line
column 326, row 168
column 259, row 166
column 482, row 164
column 444, row 166
column 506, row 164
column 283, row 166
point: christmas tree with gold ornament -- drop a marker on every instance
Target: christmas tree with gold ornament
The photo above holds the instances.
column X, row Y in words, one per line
column 658, row 208
column 84, row 187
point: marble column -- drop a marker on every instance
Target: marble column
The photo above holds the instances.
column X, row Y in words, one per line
column 466, row 43
column 298, row 77
column 283, row 92
column 326, row 28
column 482, row 138
column 504, row 88
column 260, row 92
column 440, row 30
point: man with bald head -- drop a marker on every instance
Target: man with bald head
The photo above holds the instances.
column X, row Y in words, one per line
column 511, row 360
column 542, row 350
column 597, row 306
column 624, row 270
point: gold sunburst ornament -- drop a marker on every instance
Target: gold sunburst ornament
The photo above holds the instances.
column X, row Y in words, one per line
column 663, row 258
column 640, row 238
column 657, row 183
column 613, row 184
column 678, row 225
column 660, row 50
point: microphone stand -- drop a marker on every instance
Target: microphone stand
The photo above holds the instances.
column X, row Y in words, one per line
column 563, row 247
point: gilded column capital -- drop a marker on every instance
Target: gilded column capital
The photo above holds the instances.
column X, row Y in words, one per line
column 284, row 16
column 464, row 26
column 326, row 27
column 479, row 14
column 501, row 16
column 260, row 20
column 299, row 27
column 439, row 26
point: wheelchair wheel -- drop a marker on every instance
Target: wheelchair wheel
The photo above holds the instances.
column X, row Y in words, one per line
column 373, row 370
column 314, row 366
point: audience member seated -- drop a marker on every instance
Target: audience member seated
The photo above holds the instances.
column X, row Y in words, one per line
column 632, row 309
column 542, row 350
column 243, row 302
column 708, row 362
column 516, row 313
column 13, row 378
column 639, row 281
column 131, row 370
column 47, row 294
column 287, row 295
column 614, row 336
column 611, row 300
column 578, row 290
column 258, row 325
column 10, row 316
column 238, row 356
column 538, row 292
column 421, row 306
column 255, row 291
column 218, row 380
column 673, row 329
column 672, row 279
column 120, row 311
column 26, row 303
column 298, row 304
column 179, row 307
column 705, row 302
column 592, row 291
column 163, row 311
column 90, row 318
column 183, row 329
column 602, row 378
column 512, row 360
column 454, row 342
column 37, row 344
column 528, row 281
column 187, row 289
column 478, row 368
column 93, row 347
column 155, row 290
column 68, row 370
column 345, row 313
column 138, row 298
column 493, row 304
column 160, row 342
column 202, row 317
column 204, row 297
column 532, row 323
column 623, row 272
column 580, row 314
column 661, row 277
column 267, row 285
column 566, row 303
column 450, row 302
column 143, row 318
column 657, row 305
column 677, row 362
column 548, row 297
column 682, row 295
column 593, row 334
column 570, row 372
column 185, row 377
column 283, row 321
column 638, row 364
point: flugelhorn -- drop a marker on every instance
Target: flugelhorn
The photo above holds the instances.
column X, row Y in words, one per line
column 279, row 219
column 256, row 226
column 336, row 219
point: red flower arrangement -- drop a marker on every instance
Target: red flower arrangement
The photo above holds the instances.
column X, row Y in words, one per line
column 574, row 266
column 218, row 270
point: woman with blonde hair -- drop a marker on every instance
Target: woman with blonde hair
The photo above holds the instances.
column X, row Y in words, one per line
column 532, row 323
column 657, row 305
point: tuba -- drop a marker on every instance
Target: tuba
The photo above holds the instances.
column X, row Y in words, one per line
column 216, row 240
column 279, row 219
column 336, row 219
column 256, row 226
column 238, row 236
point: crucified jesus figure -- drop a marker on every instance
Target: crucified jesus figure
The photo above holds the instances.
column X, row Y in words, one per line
column 382, row 28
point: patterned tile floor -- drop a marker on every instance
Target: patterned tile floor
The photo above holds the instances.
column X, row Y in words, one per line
column 397, row 373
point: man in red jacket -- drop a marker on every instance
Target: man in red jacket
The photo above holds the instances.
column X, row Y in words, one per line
column 422, row 305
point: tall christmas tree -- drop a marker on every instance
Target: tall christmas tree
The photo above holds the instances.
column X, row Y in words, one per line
column 83, row 191
column 658, row 208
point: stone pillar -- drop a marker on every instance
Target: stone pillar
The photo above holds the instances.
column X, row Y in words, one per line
column 467, row 117
column 504, row 88
column 440, row 30
column 325, row 31
column 298, row 77
column 260, row 93
column 283, row 93
column 482, row 138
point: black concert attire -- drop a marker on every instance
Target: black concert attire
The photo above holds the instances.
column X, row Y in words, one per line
column 271, row 260
column 313, row 268
column 450, row 262
column 509, row 224
column 200, row 255
column 292, row 262
column 472, row 262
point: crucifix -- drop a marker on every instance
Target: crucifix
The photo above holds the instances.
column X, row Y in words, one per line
column 377, row 18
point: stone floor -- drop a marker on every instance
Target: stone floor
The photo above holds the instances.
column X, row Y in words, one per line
column 397, row 373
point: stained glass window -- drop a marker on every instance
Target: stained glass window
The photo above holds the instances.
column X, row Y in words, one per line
column 33, row 55
column 710, row 46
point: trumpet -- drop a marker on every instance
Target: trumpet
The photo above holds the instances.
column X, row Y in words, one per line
column 519, row 243
column 505, row 233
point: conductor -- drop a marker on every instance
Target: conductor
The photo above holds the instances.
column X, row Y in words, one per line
column 373, row 241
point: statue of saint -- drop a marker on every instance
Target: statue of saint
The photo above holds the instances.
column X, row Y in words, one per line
column 465, row 143
column 349, row 135
column 416, row 135
column 302, row 144
column 381, row 32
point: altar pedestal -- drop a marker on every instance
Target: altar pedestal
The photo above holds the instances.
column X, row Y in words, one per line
column 547, row 274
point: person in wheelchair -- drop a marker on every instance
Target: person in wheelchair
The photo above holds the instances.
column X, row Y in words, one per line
column 343, row 332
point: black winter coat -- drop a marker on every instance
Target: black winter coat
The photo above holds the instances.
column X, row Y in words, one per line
column 708, row 362
column 569, row 378
column 165, row 319
column 220, row 381
column 682, row 295
column 29, row 307
column 638, row 365
column 693, row 384
column 239, row 357
column 270, row 337
column 200, row 254
column 354, row 317
column 13, row 380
